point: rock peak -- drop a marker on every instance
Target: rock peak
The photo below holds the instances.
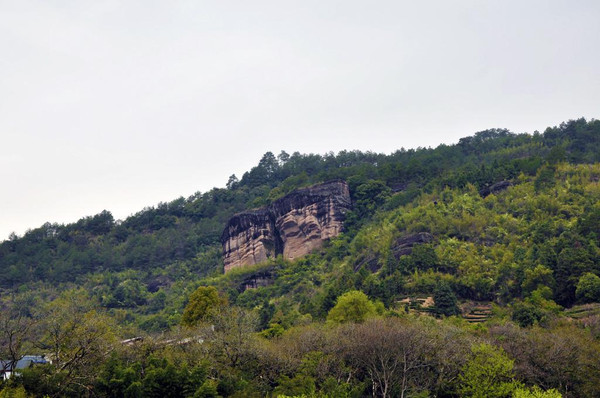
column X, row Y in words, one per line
column 292, row 226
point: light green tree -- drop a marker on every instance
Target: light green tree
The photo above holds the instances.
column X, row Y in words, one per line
column 204, row 302
column 352, row 306
column 537, row 277
column 535, row 392
column 13, row 392
column 488, row 374
column 588, row 288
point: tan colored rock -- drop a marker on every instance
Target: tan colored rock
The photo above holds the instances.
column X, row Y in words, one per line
column 304, row 230
column 251, row 239
column 292, row 226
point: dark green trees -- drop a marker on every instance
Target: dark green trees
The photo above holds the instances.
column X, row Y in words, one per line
column 445, row 300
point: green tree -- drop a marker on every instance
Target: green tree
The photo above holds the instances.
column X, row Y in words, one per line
column 204, row 302
column 588, row 288
column 445, row 300
column 488, row 374
column 78, row 338
column 536, row 277
column 368, row 196
column 526, row 314
column 232, row 182
column 13, row 392
column 352, row 306
column 535, row 392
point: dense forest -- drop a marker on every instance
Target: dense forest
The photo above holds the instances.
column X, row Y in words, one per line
column 502, row 300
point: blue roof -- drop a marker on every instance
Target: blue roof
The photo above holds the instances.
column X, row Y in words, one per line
column 25, row 362
column 35, row 358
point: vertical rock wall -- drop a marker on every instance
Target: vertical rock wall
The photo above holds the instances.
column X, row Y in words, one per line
column 292, row 226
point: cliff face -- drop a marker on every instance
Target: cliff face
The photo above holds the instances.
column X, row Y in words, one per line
column 250, row 238
column 292, row 226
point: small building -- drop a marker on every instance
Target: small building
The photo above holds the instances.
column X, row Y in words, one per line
column 8, row 367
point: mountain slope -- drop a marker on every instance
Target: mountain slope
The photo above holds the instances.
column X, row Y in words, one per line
column 163, row 249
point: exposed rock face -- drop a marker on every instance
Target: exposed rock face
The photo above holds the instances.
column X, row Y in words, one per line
column 259, row 279
column 494, row 189
column 292, row 226
column 250, row 238
column 403, row 246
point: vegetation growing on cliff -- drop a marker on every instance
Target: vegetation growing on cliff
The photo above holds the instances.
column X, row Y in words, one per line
column 521, row 258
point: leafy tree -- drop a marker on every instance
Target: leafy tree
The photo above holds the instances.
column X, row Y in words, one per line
column 204, row 303
column 589, row 222
column 488, row 374
column 535, row 392
column 588, row 288
column 545, row 178
column 299, row 385
column 526, row 314
column 266, row 312
column 556, row 155
column 163, row 379
column 352, row 306
column 368, row 196
column 445, row 300
column 78, row 338
column 539, row 276
column 232, row 182
column 13, row 392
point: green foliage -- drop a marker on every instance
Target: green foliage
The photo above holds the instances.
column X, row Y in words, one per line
column 298, row 385
column 535, row 392
column 531, row 247
column 13, row 392
column 445, row 300
column 274, row 330
column 207, row 390
column 545, row 178
column 526, row 314
column 534, row 278
column 203, row 303
column 588, row 288
column 488, row 374
column 152, row 377
column 352, row 306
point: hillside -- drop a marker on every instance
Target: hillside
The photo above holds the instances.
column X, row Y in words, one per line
column 502, row 228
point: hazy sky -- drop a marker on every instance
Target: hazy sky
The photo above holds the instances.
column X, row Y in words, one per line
column 119, row 105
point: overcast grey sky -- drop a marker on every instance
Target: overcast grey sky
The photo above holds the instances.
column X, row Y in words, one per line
column 119, row 105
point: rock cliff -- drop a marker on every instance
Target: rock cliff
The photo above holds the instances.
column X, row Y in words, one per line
column 292, row 226
column 401, row 246
column 495, row 188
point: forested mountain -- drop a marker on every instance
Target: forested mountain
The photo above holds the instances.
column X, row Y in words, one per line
column 182, row 229
column 505, row 233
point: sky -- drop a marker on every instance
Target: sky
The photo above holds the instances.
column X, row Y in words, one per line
column 119, row 105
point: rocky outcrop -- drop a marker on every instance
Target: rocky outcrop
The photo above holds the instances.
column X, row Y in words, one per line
column 403, row 245
column 292, row 226
column 250, row 238
column 262, row 278
column 495, row 188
